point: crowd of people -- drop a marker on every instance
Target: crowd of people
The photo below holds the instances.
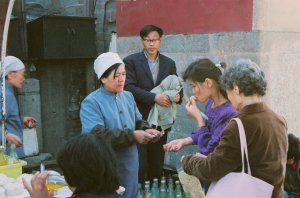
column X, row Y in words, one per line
column 118, row 147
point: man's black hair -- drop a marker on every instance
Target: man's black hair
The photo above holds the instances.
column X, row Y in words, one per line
column 150, row 28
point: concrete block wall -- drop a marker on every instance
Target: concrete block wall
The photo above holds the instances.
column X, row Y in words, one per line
column 280, row 55
column 279, row 38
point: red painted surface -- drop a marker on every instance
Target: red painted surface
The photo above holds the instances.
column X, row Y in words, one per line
column 184, row 16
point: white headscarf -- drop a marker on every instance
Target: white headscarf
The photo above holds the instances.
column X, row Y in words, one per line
column 12, row 63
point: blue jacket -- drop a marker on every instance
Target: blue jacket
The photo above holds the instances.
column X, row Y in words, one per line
column 13, row 119
column 117, row 111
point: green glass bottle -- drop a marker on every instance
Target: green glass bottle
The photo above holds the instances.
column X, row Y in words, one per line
column 170, row 188
column 147, row 182
column 13, row 158
column 147, row 189
column 139, row 192
column 187, row 195
column 178, row 192
column 154, row 189
column 163, row 188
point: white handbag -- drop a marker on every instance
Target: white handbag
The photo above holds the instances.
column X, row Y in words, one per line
column 240, row 184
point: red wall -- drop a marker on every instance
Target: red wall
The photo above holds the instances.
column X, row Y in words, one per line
column 184, row 16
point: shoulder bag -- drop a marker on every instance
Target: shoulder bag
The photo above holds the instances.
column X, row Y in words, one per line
column 240, row 184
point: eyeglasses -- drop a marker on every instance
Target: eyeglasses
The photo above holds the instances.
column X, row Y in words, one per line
column 148, row 41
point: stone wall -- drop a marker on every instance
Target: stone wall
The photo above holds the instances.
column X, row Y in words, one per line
column 279, row 52
column 280, row 55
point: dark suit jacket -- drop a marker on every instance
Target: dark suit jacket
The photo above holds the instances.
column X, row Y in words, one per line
column 139, row 79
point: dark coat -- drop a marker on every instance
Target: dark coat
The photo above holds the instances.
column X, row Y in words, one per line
column 266, row 135
column 139, row 79
column 292, row 179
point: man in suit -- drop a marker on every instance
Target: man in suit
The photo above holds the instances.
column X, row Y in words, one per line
column 144, row 71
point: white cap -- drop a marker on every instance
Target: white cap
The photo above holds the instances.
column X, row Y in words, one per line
column 11, row 63
column 105, row 61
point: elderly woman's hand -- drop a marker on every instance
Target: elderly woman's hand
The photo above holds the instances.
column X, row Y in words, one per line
column 176, row 145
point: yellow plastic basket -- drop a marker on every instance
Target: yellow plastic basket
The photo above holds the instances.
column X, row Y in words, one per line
column 13, row 170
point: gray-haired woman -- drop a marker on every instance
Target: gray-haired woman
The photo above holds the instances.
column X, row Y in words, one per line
column 266, row 132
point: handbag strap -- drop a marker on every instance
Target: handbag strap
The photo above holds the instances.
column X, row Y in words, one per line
column 244, row 148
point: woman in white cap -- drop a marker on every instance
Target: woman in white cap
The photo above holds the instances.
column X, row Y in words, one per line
column 113, row 108
column 14, row 71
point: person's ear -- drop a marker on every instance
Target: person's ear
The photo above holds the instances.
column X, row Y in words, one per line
column 208, row 82
column 103, row 80
column 236, row 90
column 10, row 75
